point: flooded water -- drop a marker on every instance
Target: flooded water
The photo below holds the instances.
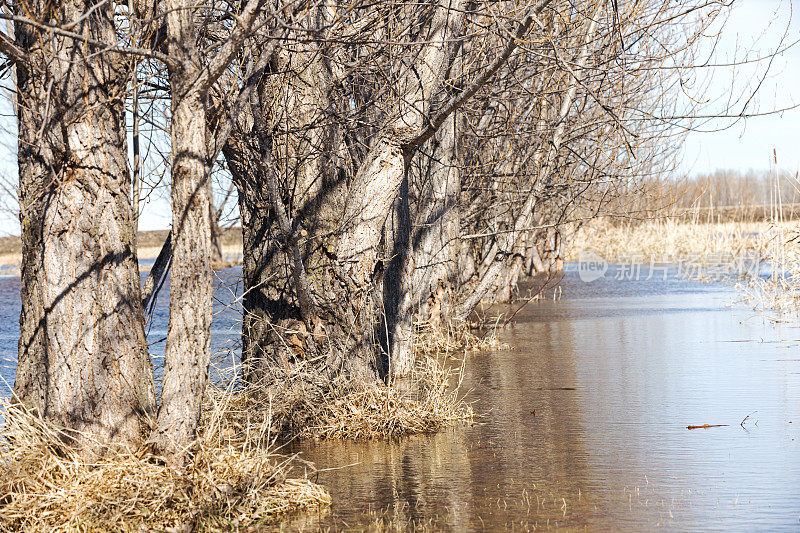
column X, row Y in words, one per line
column 583, row 420
column 583, row 423
column 226, row 324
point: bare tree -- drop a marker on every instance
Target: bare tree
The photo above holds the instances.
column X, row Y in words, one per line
column 83, row 360
column 187, row 352
column 394, row 163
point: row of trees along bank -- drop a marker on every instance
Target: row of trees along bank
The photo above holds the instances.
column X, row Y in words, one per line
column 396, row 164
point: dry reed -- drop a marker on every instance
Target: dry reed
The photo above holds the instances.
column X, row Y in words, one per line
column 780, row 289
column 773, row 244
column 305, row 399
column 454, row 339
column 672, row 240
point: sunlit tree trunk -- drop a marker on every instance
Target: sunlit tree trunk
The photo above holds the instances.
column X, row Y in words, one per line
column 380, row 184
column 419, row 279
column 187, row 356
column 83, row 357
column 437, row 229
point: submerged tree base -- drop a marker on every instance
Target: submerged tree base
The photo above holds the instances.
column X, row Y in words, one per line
column 304, row 401
column 229, row 484
column 234, row 480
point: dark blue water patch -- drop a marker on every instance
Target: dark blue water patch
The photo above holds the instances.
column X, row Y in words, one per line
column 616, row 280
column 225, row 324
column 10, row 308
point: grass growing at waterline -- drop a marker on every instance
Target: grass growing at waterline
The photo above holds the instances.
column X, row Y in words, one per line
column 235, row 481
column 456, row 339
column 298, row 403
column 303, row 399
column 231, row 484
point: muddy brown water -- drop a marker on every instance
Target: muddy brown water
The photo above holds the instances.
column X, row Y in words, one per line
column 582, row 421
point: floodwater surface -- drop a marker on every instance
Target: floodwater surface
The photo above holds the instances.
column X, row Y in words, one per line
column 226, row 324
column 582, row 421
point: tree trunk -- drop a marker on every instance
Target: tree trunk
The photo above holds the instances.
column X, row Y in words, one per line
column 186, row 356
column 283, row 164
column 83, row 356
column 262, row 272
column 380, row 184
column 436, row 236
column 419, row 279
column 397, row 334
column 217, row 259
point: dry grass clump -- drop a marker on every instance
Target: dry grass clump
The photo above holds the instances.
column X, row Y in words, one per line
column 307, row 399
column 671, row 239
column 454, row 339
column 356, row 411
column 230, row 484
column 295, row 403
column 428, row 401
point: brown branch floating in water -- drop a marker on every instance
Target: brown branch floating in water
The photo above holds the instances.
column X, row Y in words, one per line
column 706, row 426
column 745, row 418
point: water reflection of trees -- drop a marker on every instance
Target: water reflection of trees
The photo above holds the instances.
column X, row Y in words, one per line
column 513, row 467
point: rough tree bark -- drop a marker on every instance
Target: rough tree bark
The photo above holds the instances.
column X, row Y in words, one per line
column 187, row 354
column 277, row 157
column 83, row 360
column 436, row 234
column 377, row 189
column 415, row 126
column 349, row 260
column 419, row 280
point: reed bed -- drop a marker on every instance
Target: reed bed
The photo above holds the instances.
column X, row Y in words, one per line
column 455, row 339
column 779, row 289
column 672, row 239
column 772, row 246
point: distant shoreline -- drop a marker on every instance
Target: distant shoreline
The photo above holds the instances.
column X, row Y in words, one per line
column 148, row 246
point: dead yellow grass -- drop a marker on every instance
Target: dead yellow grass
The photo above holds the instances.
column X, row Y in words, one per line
column 773, row 244
column 235, row 481
column 670, row 239
column 232, row 483
column 358, row 412
column 298, row 403
column 455, row 339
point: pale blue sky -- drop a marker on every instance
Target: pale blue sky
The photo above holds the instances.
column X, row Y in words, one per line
column 754, row 29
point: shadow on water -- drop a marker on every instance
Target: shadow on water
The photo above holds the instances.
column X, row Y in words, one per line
column 583, row 421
